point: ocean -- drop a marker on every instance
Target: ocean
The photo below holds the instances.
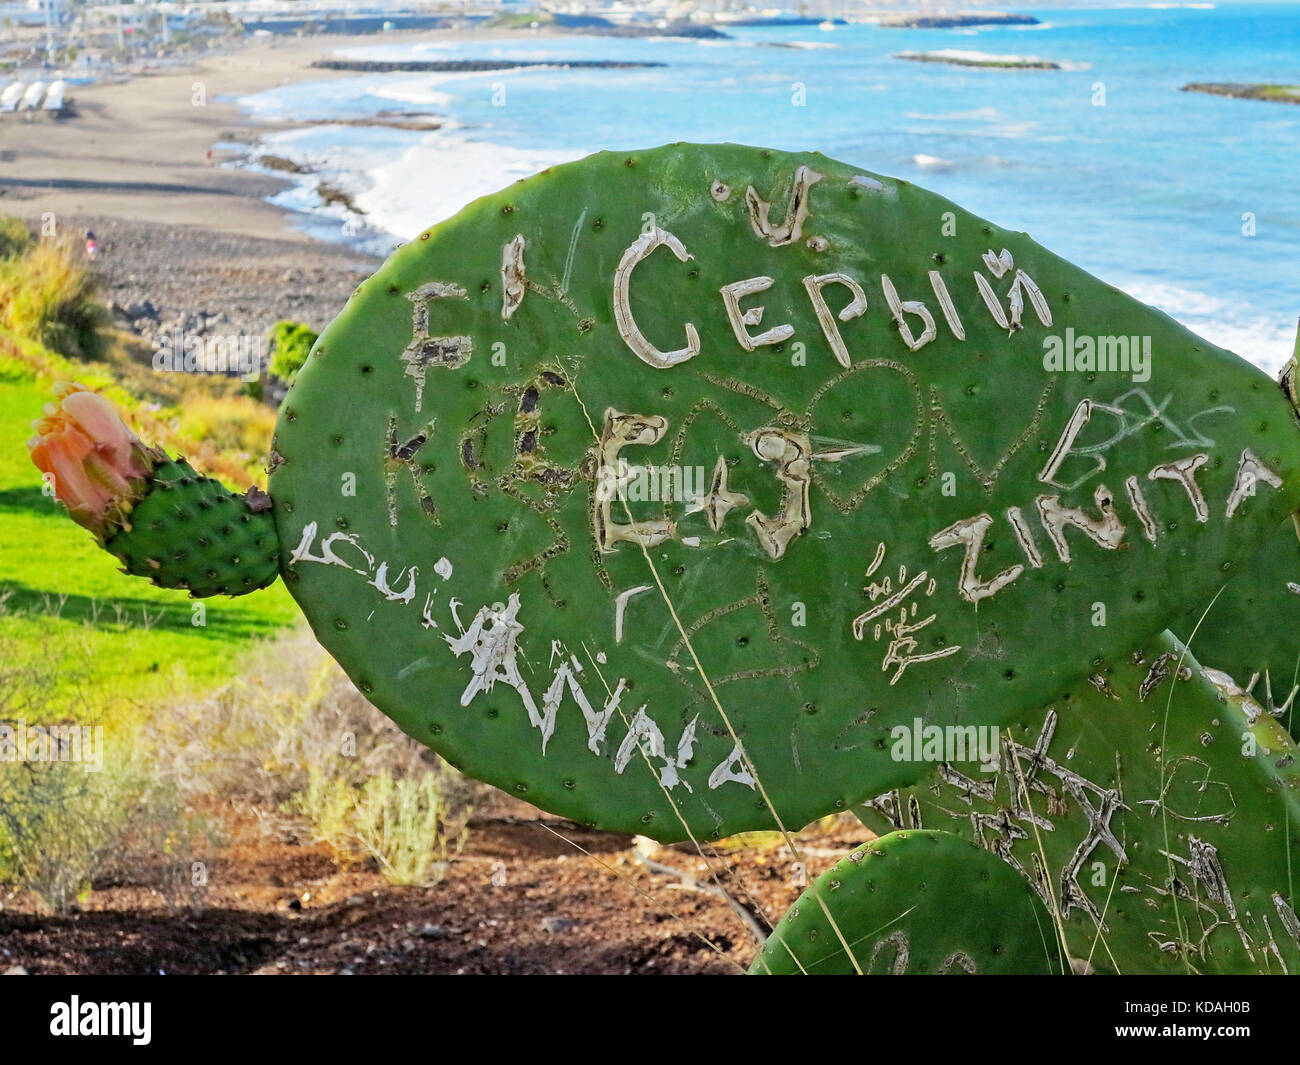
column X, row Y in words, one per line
column 1187, row 201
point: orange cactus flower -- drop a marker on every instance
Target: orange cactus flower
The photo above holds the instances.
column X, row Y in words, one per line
column 98, row 467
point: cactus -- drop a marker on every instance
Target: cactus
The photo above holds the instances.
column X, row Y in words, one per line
column 914, row 902
column 158, row 516
column 857, row 460
column 191, row 532
column 1248, row 630
column 1164, row 806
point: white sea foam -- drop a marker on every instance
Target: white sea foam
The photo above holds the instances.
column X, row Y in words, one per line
column 445, row 171
column 978, row 114
column 415, row 91
column 1264, row 341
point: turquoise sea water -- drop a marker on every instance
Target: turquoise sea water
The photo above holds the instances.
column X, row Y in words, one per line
column 1105, row 161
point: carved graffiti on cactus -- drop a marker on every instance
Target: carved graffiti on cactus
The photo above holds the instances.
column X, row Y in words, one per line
column 1127, row 424
column 790, row 455
column 621, row 430
column 401, row 455
column 425, row 350
column 744, row 319
column 513, row 279
column 719, row 500
column 491, row 639
column 1104, row 526
column 796, row 213
column 627, row 327
column 901, row 650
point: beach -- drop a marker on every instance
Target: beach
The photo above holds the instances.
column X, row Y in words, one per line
column 138, row 149
column 354, row 161
column 185, row 239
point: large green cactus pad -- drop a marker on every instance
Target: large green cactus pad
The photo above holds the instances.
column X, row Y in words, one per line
column 888, row 495
column 914, row 903
column 1165, row 807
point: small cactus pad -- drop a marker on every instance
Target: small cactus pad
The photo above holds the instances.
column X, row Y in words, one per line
column 1165, row 806
column 657, row 488
column 192, row 532
column 925, row 903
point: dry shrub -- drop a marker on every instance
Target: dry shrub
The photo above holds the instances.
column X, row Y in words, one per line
column 232, row 426
column 290, row 710
column 66, row 824
column 407, row 828
column 291, row 731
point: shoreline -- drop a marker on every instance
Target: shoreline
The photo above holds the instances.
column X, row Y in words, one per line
column 144, row 149
column 134, row 158
column 188, row 244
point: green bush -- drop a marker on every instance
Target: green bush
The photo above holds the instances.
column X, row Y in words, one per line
column 290, row 343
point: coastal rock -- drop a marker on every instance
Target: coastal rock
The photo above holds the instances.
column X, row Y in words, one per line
column 1278, row 94
column 391, row 66
column 940, row 22
column 957, row 58
column 142, row 309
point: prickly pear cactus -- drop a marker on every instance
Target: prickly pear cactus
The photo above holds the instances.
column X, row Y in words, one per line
column 658, row 488
column 1250, row 631
column 1155, row 811
column 914, row 903
column 191, row 532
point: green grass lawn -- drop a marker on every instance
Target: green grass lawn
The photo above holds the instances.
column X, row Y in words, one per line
column 88, row 641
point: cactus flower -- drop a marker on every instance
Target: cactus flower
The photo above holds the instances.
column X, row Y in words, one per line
column 98, row 467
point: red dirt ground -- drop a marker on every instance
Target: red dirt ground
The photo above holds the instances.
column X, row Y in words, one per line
column 521, row 897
